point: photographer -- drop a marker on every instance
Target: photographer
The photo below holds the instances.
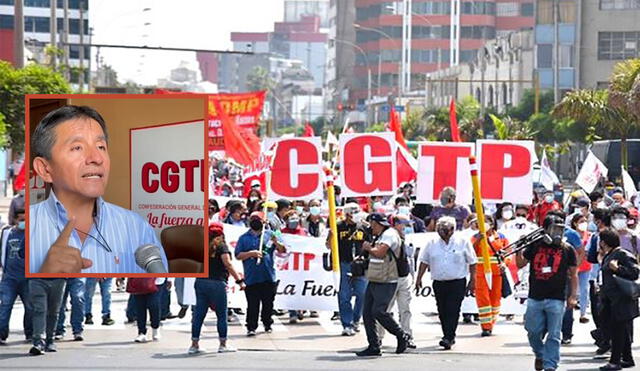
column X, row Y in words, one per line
column 552, row 263
column 350, row 239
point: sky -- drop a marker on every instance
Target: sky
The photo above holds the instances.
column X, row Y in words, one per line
column 198, row 24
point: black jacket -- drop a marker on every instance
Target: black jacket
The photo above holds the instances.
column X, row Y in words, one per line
column 619, row 307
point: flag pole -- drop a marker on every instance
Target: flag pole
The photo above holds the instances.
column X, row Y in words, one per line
column 267, row 180
column 486, row 262
column 333, row 241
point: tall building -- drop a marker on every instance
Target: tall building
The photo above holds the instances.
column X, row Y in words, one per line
column 302, row 40
column 294, row 10
column 610, row 33
column 379, row 32
column 341, row 53
column 37, row 31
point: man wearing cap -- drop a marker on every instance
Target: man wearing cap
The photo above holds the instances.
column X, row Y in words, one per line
column 451, row 258
column 350, row 239
column 403, row 224
column 259, row 271
column 552, row 263
column 379, row 294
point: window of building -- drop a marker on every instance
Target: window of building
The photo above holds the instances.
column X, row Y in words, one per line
column 619, row 4
column 566, row 56
column 507, row 9
column 618, row 45
column 526, row 10
column 36, row 24
column 37, row 3
column 6, row 22
column 6, row 2
column 545, row 12
column 545, row 55
column 567, row 11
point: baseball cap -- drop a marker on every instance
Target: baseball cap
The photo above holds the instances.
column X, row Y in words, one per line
column 257, row 214
column 215, row 230
column 379, row 218
column 255, row 183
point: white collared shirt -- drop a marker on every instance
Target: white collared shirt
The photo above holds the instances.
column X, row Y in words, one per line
column 449, row 261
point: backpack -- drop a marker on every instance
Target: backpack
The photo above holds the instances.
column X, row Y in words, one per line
column 384, row 270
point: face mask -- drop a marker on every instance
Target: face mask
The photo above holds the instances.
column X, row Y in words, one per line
column 255, row 224
column 592, row 227
column 377, row 206
column 271, row 214
column 299, row 209
column 253, row 199
column 293, row 223
column 601, row 205
column 404, row 210
column 408, row 230
column 445, row 233
column 507, row 214
column 21, row 224
column 619, row 224
column 583, row 226
column 548, row 199
column 444, row 201
column 314, row 210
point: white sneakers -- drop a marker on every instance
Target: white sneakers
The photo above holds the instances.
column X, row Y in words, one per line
column 195, row 350
column 226, row 349
column 141, row 338
column 156, row 334
column 348, row 331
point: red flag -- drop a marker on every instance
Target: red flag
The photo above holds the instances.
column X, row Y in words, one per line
column 395, row 125
column 241, row 145
column 308, row 130
column 407, row 166
column 19, row 182
column 455, row 133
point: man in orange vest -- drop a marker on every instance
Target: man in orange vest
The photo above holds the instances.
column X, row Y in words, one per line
column 488, row 299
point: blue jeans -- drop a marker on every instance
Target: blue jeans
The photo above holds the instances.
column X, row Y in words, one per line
column 165, row 300
column 131, row 308
column 151, row 302
column 583, row 288
column 350, row 286
column 10, row 288
column 544, row 317
column 210, row 292
column 75, row 288
column 179, row 285
column 105, row 293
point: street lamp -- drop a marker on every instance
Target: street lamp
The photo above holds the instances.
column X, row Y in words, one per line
column 358, row 26
column 366, row 60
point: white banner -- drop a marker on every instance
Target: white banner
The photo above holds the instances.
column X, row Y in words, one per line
column 167, row 167
column 306, row 282
column 591, row 172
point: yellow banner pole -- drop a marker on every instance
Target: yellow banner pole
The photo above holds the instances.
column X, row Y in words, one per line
column 486, row 262
column 335, row 258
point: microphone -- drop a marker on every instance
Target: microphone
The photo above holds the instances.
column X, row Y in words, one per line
column 148, row 257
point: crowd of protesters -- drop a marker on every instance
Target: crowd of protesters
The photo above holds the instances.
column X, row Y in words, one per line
column 591, row 242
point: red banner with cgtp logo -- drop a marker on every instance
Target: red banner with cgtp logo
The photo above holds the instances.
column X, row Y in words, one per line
column 243, row 108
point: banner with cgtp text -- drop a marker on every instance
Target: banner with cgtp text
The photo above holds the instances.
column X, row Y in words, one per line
column 167, row 174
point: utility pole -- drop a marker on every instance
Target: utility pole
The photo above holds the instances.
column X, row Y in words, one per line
column 65, row 38
column 81, row 54
column 454, row 33
column 18, row 36
column 556, row 51
column 53, row 30
column 405, row 80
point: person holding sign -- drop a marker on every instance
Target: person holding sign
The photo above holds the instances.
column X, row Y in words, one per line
column 75, row 230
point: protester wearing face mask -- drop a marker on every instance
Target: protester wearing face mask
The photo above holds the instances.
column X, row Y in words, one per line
column 520, row 222
column 237, row 214
column 293, row 225
column 579, row 207
column 259, row 271
column 253, row 200
column 552, row 265
column 579, row 224
column 403, row 207
column 316, row 225
column 448, row 207
column 629, row 240
column 618, row 310
column 451, row 258
column 540, row 210
column 402, row 224
column 214, row 211
column 14, row 283
column 504, row 214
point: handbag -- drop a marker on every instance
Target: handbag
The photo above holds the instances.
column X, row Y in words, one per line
column 630, row 289
column 142, row 285
column 506, row 286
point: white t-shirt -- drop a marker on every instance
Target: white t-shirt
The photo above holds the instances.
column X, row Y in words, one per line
column 391, row 238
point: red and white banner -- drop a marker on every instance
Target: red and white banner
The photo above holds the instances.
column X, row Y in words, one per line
column 167, row 175
column 506, row 170
column 297, row 168
column 244, row 109
column 444, row 164
column 592, row 170
column 368, row 164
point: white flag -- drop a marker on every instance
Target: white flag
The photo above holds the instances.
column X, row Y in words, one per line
column 591, row 171
column 627, row 184
column 547, row 177
column 331, row 141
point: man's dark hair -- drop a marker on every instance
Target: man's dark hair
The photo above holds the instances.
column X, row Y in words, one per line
column 595, row 196
column 235, row 207
column 44, row 137
column 602, row 215
column 17, row 212
column 621, row 210
column 213, row 202
column 558, row 213
column 400, row 200
column 283, row 204
column 552, row 219
column 610, row 237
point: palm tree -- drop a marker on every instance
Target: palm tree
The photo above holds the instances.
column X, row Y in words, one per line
column 616, row 109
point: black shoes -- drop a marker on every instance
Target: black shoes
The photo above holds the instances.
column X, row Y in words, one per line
column 88, row 319
column 485, row 333
column 107, row 321
column 182, row 312
column 627, row 364
column 538, row 364
column 37, row 349
column 369, row 352
column 403, row 343
column 610, row 367
column 446, row 343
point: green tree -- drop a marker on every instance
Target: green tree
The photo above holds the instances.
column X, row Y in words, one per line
column 259, row 79
column 14, row 85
